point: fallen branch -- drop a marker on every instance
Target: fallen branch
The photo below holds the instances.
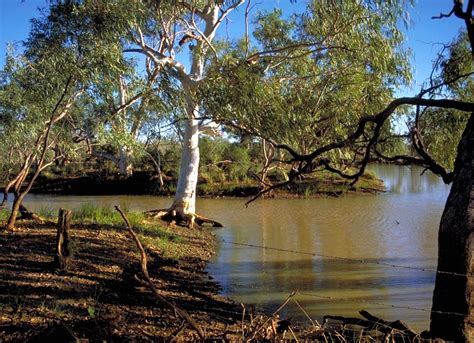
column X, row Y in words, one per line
column 372, row 322
column 396, row 325
column 149, row 284
column 29, row 215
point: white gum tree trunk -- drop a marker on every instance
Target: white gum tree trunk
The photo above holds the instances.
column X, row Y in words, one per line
column 184, row 203
column 211, row 16
column 185, row 197
column 124, row 161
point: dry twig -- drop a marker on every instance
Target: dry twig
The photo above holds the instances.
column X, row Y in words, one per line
column 273, row 315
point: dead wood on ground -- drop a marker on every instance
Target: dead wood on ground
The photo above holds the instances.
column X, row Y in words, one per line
column 148, row 282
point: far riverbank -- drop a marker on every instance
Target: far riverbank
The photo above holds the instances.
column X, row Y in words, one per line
column 147, row 184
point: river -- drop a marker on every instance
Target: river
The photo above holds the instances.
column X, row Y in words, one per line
column 341, row 254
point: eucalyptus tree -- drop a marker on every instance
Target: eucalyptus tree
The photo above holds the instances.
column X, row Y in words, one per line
column 180, row 40
column 440, row 109
column 439, row 120
column 31, row 111
column 306, row 80
column 162, row 32
column 40, row 88
column 443, row 140
column 441, row 129
column 441, row 134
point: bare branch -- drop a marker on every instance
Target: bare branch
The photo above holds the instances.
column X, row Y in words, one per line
column 442, row 15
column 442, row 84
column 259, row 54
column 225, row 13
column 246, row 35
column 379, row 119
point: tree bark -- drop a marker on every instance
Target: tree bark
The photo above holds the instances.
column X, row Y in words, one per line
column 183, row 208
column 452, row 316
column 125, row 162
column 184, row 203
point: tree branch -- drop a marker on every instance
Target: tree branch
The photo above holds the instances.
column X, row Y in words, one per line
column 225, row 13
column 161, row 59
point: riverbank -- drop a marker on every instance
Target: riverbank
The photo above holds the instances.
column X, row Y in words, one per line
column 321, row 185
column 99, row 299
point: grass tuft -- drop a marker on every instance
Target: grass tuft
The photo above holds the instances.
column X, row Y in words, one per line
column 91, row 214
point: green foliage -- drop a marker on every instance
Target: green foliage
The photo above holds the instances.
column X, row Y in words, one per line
column 317, row 73
column 4, row 214
column 101, row 215
column 150, row 233
column 320, row 71
column 167, row 242
column 222, row 160
column 91, row 312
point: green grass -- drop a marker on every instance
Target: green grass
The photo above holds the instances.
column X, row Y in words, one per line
column 100, row 215
column 47, row 213
column 88, row 214
column 169, row 244
column 4, row 214
column 150, row 233
column 227, row 187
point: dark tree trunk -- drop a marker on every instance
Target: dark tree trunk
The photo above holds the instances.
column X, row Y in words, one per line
column 61, row 260
column 452, row 316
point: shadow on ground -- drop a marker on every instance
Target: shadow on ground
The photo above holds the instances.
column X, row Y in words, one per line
column 98, row 297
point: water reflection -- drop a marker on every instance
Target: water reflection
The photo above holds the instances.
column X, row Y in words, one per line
column 399, row 227
column 407, row 179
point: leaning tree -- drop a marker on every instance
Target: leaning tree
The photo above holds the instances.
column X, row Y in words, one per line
column 304, row 81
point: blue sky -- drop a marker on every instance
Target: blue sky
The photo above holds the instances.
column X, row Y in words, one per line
column 424, row 35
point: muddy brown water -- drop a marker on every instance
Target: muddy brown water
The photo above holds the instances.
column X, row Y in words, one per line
column 316, row 246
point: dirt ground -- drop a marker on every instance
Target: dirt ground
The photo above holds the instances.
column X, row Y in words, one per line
column 98, row 298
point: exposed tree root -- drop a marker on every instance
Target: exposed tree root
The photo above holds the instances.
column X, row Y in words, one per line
column 29, row 215
column 182, row 219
